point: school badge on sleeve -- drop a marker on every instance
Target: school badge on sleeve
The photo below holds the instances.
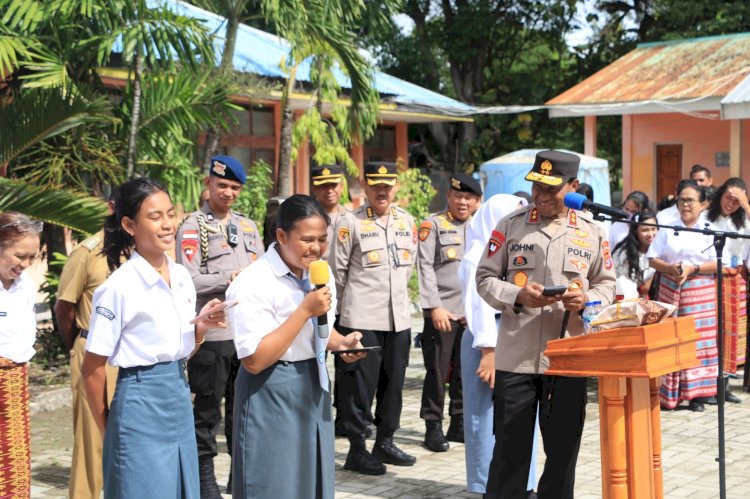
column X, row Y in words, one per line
column 607, row 255
column 496, row 242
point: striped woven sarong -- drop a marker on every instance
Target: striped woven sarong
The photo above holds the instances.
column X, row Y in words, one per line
column 696, row 298
column 15, row 456
column 735, row 322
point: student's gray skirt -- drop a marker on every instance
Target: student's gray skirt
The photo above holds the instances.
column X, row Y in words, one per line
column 149, row 445
column 283, row 434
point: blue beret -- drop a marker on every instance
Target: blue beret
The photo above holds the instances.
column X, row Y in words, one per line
column 228, row 168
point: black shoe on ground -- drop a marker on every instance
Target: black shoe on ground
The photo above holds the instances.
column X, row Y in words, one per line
column 434, row 439
column 387, row 452
column 361, row 461
column 209, row 488
column 708, row 400
column 731, row 397
column 456, row 429
column 696, row 405
column 530, row 494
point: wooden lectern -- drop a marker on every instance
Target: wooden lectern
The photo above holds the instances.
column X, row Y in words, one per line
column 628, row 363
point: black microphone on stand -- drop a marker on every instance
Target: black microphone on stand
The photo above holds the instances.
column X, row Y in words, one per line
column 581, row 202
column 319, row 275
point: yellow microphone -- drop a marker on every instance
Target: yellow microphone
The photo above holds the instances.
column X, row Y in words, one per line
column 319, row 275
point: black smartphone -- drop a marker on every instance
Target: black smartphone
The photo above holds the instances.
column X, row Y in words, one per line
column 554, row 290
column 356, row 350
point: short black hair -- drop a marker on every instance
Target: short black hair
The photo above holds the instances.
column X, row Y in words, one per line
column 299, row 207
column 586, row 190
column 699, row 169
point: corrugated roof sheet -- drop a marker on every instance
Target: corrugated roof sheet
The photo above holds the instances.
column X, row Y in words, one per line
column 261, row 53
column 667, row 71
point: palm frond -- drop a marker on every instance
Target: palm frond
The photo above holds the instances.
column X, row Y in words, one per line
column 39, row 114
column 60, row 207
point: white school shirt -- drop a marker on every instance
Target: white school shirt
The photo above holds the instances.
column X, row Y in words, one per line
column 138, row 320
column 267, row 296
column 687, row 247
column 733, row 247
column 17, row 320
column 480, row 316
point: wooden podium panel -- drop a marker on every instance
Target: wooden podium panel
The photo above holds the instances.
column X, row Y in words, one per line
column 628, row 363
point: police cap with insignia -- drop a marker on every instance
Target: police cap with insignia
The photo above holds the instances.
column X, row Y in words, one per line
column 554, row 168
column 326, row 174
column 379, row 172
column 463, row 182
column 228, row 168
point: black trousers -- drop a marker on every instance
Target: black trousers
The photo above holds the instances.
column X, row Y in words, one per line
column 380, row 375
column 561, row 418
column 442, row 357
column 211, row 374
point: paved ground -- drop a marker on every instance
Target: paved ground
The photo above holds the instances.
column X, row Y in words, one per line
column 689, row 450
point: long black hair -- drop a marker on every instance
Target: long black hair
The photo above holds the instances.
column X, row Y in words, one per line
column 299, row 207
column 738, row 217
column 127, row 200
column 639, row 198
column 631, row 245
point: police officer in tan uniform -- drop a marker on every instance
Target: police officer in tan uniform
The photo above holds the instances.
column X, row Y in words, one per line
column 215, row 244
column 84, row 271
column 327, row 187
column 542, row 245
column 372, row 260
column 442, row 238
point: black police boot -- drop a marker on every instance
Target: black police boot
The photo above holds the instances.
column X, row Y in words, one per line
column 456, row 429
column 385, row 450
column 434, row 439
column 209, row 487
column 361, row 461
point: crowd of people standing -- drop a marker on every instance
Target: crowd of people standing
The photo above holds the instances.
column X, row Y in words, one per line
column 173, row 321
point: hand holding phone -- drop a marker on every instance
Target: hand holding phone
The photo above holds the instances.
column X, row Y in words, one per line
column 221, row 307
column 554, row 290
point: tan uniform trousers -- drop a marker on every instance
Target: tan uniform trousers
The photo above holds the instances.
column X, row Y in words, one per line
column 86, row 479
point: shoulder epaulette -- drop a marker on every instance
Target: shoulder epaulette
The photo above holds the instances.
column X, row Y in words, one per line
column 92, row 242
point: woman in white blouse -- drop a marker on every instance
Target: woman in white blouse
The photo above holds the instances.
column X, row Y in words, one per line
column 687, row 262
column 19, row 246
column 142, row 324
column 283, row 429
column 631, row 263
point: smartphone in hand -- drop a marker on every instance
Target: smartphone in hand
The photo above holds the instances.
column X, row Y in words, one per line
column 553, row 290
column 225, row 305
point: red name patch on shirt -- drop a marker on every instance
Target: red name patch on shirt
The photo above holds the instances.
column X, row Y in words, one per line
column 496, row 242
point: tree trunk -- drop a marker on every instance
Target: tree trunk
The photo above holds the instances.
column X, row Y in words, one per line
column 284, row 183
column 134, row 119
column 225, row 69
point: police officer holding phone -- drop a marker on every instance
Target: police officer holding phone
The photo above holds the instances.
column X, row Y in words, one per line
column 215, row 244
column 540, row 246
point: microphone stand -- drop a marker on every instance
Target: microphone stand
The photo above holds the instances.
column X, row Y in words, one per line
column 719, row 240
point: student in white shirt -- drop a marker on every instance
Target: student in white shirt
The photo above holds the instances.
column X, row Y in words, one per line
column 19, row 246
column 283, row 429
column 634, row 203
column 634, row 274
column 142, row 324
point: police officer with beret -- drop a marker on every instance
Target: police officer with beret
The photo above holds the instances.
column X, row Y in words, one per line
column 372, row 260
column 215, row 244
column 327, row 187
column 442, row 238
column 542, row 245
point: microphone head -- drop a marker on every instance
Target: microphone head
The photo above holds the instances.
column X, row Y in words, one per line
column 574, row 200
column 319, row 273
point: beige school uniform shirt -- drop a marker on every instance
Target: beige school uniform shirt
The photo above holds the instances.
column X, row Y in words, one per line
column 525, row 247
column 372, row 261
column 442, row 240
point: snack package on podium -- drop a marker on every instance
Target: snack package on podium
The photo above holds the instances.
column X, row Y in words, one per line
column 629, row 313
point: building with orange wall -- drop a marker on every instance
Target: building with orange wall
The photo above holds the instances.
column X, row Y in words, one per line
column 682, row 103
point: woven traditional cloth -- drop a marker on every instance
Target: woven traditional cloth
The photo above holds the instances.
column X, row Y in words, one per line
column 695, row 298
column 735, row 322
column 15, row 444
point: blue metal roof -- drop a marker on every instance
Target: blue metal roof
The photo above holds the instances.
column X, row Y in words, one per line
column 261, row 53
